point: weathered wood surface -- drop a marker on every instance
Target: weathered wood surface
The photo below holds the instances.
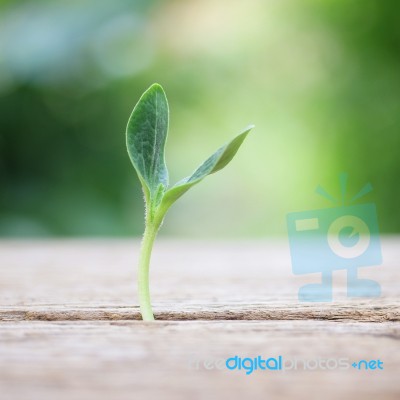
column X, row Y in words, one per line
column 69, row 328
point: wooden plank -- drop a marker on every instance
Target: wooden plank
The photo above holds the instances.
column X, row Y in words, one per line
column 103, row 273
column 68, row 329
column 166, row 360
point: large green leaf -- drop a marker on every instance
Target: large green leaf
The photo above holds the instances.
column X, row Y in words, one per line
column 146, row 135
column 213, row 164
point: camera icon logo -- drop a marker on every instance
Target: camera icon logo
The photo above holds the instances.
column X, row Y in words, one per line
column 342, row 237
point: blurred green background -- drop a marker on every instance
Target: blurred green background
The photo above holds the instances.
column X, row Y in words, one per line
column 319, row 79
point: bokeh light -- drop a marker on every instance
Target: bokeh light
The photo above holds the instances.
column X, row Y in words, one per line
column 320, row 80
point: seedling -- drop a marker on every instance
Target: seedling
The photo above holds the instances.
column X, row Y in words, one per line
column 146, row 135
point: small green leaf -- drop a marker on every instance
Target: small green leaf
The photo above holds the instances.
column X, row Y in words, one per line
column 146, row 136
column 217, row 161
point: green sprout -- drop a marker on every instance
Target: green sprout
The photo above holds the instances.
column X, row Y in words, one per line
column 146, row 135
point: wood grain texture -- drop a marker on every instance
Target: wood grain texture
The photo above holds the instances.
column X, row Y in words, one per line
column 69, row 328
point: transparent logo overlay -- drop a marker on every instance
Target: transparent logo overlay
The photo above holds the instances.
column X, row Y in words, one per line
column 248, row 365
column 343, row 237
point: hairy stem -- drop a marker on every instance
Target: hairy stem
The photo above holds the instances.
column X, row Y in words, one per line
column 149, row 236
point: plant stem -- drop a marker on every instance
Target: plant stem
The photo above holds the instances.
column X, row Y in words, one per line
column 150, row 234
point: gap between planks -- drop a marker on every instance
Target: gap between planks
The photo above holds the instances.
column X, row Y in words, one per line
column 363, row 312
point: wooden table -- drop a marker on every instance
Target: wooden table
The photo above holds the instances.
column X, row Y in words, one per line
column 70, row 328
